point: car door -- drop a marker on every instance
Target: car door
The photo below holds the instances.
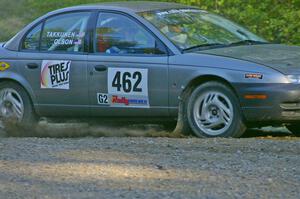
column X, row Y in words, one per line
column 54, row 62
column 128, row 71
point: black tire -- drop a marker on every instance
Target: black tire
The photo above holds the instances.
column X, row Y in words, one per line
column 236, row 127
column 294, row 129
column 29, row 117
column 183, row 126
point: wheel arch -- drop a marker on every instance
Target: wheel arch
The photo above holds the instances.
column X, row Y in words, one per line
column 23, row 83
column 182, row 121
column 203, row 79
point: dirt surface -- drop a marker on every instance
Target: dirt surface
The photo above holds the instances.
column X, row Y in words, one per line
column 263, row 164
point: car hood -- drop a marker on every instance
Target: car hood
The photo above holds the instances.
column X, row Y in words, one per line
column 283, row 58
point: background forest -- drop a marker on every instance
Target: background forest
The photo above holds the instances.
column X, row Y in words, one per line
column 275, row 20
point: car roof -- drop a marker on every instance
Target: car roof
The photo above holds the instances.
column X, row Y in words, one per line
column 132, row 6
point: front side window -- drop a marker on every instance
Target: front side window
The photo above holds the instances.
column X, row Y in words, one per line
column 188, row 28
column 32, row 39
column 65, row 32
column 118, row 34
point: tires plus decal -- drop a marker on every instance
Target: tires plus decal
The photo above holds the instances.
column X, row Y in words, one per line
column 55, row 74
column 128, row 87
column 4, row 66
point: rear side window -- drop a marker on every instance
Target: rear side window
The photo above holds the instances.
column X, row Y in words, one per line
column 65, row 33
column 32, row 39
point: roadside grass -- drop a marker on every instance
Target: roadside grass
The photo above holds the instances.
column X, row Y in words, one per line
column 11, row 24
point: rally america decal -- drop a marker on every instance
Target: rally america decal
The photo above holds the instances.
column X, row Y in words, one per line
column 55, row 74
column 127, row 87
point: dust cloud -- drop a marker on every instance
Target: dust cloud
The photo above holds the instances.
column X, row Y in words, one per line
column 73, row 130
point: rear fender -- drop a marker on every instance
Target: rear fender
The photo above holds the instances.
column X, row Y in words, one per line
column 14, row 77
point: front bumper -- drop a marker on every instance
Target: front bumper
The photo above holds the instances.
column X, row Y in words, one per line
column 281, row 105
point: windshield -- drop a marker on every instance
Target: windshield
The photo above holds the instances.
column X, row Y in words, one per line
column 189, row 28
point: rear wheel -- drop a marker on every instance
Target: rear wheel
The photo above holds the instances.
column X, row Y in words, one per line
column 213, row 111
column 15, row 105
column 294, row 129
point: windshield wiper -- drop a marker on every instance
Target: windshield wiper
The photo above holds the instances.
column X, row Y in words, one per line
column 247, row 42
column 220, row 45
column 204, row 46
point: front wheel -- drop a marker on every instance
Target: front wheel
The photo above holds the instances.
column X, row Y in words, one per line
column 15, row 106
column 294, row 129
column 213, row 111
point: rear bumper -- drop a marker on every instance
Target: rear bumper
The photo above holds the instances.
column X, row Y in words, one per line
column 281, row 105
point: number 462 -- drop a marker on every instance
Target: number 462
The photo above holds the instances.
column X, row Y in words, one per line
column 125, row 81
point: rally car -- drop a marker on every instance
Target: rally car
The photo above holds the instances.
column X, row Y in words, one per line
column 152, row 62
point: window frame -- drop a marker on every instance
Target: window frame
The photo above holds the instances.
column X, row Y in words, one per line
column 43, row 22
column 21, row 45
column 93, row 39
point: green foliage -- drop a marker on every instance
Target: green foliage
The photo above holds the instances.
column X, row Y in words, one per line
column 275, row 20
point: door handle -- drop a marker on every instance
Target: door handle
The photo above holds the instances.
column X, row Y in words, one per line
column 100, row 68
column 32, row 66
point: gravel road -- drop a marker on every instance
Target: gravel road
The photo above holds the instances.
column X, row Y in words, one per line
column 139, row 167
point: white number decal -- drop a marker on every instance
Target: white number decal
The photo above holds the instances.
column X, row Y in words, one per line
column 128, row 81
column 103, row 99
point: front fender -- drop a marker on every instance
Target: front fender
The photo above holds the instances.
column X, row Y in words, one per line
column 181, row 77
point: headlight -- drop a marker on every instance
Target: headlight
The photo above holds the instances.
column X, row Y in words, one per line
column 294, row 79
